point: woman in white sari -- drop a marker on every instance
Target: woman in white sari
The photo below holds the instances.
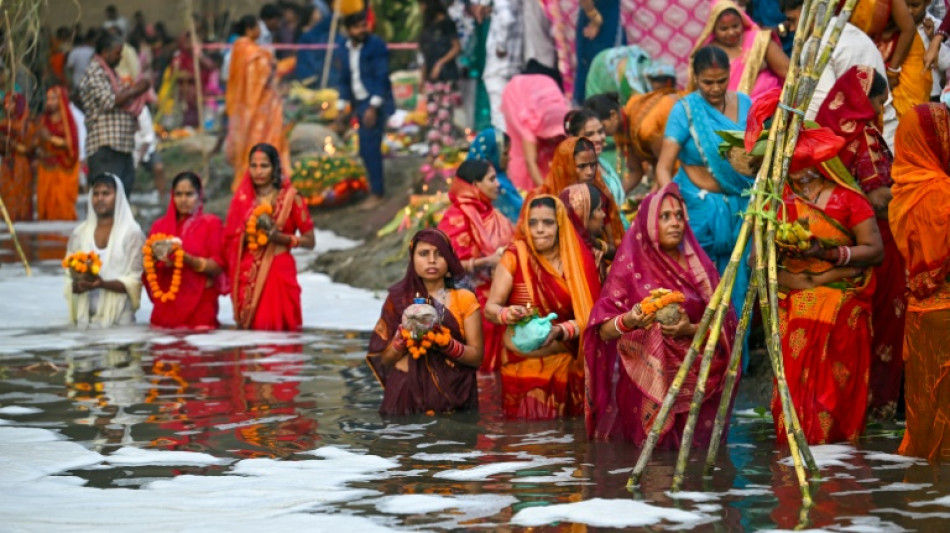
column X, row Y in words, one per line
column 111, row 297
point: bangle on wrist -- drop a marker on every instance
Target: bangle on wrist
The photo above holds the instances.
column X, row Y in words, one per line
column 620, row 325
column 895, row 70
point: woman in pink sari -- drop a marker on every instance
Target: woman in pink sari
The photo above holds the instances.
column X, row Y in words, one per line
column 757, row 62
column 659, row 252
column 534, row 109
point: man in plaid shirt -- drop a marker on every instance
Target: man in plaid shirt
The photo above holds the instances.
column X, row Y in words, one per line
column 111, row 116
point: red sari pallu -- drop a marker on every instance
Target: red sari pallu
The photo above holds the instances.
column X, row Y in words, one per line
column 264, row 287
column 628, row 378
column 196, row 304
column 826, row 330
column 551, row 386
column 849, row 113
column 477, row 230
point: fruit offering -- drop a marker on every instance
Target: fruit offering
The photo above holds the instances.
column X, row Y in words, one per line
column 418, row 347
column 660, row 298
column 795, row 236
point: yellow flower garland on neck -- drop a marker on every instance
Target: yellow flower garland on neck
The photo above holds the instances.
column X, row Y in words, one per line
column 151, row 277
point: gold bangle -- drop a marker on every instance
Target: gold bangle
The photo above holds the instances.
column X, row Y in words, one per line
column 202, row 264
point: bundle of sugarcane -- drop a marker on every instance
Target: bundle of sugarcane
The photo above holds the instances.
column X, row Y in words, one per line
column 808, row 60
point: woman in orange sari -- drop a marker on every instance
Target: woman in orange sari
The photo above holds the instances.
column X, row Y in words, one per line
column 57, row 175
column 575, row 161
column 479, row 234
column 264, row 288
column 640, row 136
column 851, row 111
column 891, row 26
column 255, row 109
column 918, row 216
column 826, row 314
column 549, row 270
column 16, row 174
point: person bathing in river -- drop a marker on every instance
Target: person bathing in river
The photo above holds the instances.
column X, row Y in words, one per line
column 112, row 296
column 442, row 379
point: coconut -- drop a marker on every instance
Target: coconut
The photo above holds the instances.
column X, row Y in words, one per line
column 668, row 315
column 418, row 319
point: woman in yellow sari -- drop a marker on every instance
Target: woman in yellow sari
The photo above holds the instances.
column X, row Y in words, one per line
column 546, row 269
column 758, row 63
column 255, row 110
column 890, row 25
column 918, row 217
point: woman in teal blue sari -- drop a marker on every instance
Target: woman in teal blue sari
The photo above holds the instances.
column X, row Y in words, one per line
column 712, row 189
column 492, row 145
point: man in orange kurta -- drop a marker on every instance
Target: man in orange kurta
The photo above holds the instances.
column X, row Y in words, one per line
column 255, row 110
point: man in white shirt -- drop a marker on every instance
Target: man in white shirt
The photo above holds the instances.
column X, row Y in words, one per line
column 854, row 48
column 269, row 22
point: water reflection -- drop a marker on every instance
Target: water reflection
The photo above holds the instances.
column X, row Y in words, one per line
column 275, row 401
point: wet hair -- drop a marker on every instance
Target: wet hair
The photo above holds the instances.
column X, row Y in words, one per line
column 273, row 156
column 595, row 197
column 473, row 170
column 104, row 178
column 353, row 19
column 790, row 5
column 270, row 11
column 190, row 176
column 544, row 201
column 245, row 23
column 583, row 145
column 730, row 11
column 709, row 57
column 576, row 119
column 603, row 104
column 878, row 85
column 107, row 41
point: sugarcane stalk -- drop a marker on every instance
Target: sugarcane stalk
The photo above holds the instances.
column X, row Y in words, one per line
column 729, row 383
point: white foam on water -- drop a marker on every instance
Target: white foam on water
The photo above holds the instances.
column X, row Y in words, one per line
column 128, row 456
column 564, row 477
column 415, row 504
column 911, row 514
column 829, row 455
column 260, row 495
column 422, row 445
column 693, row 496
column 452, row 457
column 749, row 491
column 898, row 486
column 483, row 472
column 19, row 410
column 602, row 512
column 904, row 460
column 939, row 501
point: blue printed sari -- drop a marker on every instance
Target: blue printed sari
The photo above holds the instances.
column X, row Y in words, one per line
column 714, row 217
column 488, row 146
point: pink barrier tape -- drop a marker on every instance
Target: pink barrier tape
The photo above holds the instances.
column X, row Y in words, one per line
column 316, row 46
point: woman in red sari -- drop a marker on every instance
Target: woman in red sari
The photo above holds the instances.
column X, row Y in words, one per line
column 442, row 380
column 585, row 209
column 550, row 270
column 826, row 314
column 479, row 234
column 196, row 304
column 57, row 174
column 16, row 174
column 631, row 358
column 575, row 161
column 264, row 288
column 851, row 111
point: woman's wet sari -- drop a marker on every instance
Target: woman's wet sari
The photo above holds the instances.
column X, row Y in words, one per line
column 918, row 216
column 628, row 378
column 57, row 174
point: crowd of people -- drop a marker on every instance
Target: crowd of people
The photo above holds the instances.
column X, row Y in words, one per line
column 537, row 232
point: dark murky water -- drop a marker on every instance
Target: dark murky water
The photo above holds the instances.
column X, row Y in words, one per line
column 276, row 401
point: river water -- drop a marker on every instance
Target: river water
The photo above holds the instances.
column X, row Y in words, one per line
column 287, row 434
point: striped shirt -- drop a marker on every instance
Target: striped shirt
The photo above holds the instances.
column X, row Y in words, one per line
column 107, row 124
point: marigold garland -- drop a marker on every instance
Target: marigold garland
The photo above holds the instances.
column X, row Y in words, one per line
column 257, row 238
column 83, row 262
column 418, row 348
column 151, row 277
column 660, row 298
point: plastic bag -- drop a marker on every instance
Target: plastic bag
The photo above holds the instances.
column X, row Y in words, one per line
column 529, row 335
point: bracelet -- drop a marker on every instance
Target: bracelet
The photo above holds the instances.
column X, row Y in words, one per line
column 454, row 349
column 844, row 256
column 570, row 330
column 895, row 70
column 202, row 264
column 399, row 342
column 621, row 327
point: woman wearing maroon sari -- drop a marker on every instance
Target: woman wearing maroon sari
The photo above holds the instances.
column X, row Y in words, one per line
column 264, row 288
column 851, row 111
column 441, row 380
column 196, row 304
column 479, row 234
column 658, row 252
